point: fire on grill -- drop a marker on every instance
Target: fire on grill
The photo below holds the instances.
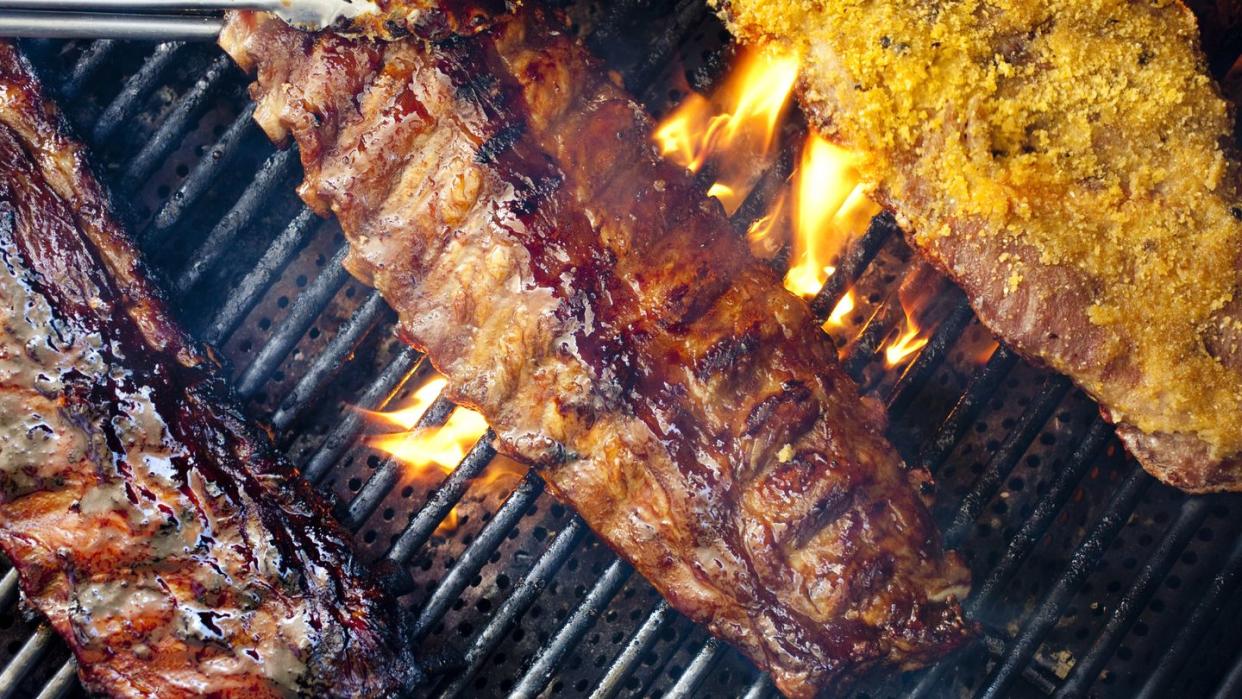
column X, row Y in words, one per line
column 1087, row 574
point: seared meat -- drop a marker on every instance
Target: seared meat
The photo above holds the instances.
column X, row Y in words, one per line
column 156, row 530
column 1067, row 164
column 502, row 193
column 426, row 18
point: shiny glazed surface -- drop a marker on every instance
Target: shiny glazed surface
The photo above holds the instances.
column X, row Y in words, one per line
column 150, row 523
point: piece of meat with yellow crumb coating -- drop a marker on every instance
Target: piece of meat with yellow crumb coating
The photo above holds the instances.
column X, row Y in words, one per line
column 1069, row 164
column 157, row 531
column 503, row 194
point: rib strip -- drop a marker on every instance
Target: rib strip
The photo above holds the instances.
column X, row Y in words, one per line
column 156, row 529
column 501, row 192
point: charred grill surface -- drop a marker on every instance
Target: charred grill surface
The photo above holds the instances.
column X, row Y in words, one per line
column 1070, row 166
column 501, row 192
column 150, row 523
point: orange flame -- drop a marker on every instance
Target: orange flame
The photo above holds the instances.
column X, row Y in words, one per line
column 740, row 119
column 407, row 417
column 842, row 311
column 905, row 344
column 428, row 452
column 830, row 205
column 984, row 353
column 765, row 235
column 444, row 446
column 501, row 476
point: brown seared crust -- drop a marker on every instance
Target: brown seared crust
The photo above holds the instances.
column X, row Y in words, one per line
column 503, row 195
column 1132, row 288
column 429, row 19
column 1038, row 323
column 153, row 526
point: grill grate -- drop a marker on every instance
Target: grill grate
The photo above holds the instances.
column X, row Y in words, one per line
column 1089, row 576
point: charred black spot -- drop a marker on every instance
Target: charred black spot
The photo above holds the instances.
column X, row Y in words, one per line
column 502, row 141
column 786, row 404
column 827, row 509
column 728, row 353
column 874, row 573
column 529, row 197
column 479, row 87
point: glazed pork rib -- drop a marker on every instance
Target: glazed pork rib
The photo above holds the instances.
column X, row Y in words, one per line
column 502, row 193
column 156, row 530
column 1069, row 165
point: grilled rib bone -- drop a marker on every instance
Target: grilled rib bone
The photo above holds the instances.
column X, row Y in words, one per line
column 501, row 192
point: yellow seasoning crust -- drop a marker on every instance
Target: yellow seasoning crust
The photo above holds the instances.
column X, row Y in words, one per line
column 1085, row 130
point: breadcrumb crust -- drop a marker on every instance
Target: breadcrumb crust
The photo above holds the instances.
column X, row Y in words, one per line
column 1086, row 129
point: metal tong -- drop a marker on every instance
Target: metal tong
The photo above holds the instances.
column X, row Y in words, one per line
column 160, row 20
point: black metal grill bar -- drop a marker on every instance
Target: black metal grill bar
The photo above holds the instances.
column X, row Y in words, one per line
column 635, row 648
column 616, row 13
column 346, row 430
column 1042, row 517
column 303, row 312
column 251, row 288
column 442, row 499
column 687, row 15
column 942, row 340
column 1024, row 541
column 8, row 588
column 92, row 59
column 868, row 342
column 175, row 125
column 759, row 202
column 388, row 474
column 1083, row 561
column 976, row 395
column 1204, row 614
column 1006, row 457
column 25, row 660
column 273, row 174
column 760, row 687
column 540, row 672
column 476, row 555
column 122, row 107
column 327, row 363
column 858, row 255
column 60, row 683
column 697, row 670
column 1231, row 686
column 866, row 345
column 1087, row 668
column 204, row 173
column 524, row 594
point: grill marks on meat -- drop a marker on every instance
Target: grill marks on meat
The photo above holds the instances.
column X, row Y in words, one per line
column 501, row 192
column 154, row 528
column 1069, row 165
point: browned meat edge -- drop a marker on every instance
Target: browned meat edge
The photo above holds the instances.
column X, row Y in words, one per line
column 157, row 530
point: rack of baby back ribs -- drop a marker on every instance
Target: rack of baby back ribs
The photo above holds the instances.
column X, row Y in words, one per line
column 1087, row 572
